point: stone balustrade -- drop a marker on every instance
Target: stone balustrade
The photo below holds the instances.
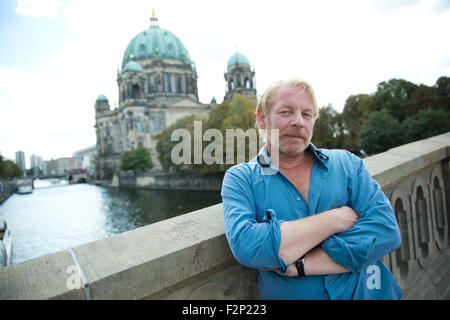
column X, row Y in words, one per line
column 187, row 257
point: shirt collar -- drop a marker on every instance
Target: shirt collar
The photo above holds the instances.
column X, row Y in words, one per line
column 264, row 159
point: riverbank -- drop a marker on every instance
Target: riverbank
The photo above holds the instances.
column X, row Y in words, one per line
column 7, row 189
column 161, row 181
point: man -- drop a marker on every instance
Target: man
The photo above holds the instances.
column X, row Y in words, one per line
column 311, row 220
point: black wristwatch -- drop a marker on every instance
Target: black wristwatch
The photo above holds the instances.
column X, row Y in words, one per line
column 300, row 265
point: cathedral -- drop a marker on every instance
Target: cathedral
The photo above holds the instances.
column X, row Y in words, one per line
column 157, row 86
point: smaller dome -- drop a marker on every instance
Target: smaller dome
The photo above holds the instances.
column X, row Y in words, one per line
column 133, row 66
column 238, row 58
column 101, row 98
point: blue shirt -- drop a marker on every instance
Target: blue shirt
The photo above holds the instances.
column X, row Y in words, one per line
column 257, row 198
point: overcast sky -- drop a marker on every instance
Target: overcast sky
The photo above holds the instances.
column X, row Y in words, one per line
column 57, row 56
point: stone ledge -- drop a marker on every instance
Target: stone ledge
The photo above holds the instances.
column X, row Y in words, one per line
column 130, row 265
column 144, row 261
column 40, row 278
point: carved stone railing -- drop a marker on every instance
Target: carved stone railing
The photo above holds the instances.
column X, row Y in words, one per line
column 188, row 257
column 416, row 178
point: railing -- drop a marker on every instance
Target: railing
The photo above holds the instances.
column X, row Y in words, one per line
column 188, row 257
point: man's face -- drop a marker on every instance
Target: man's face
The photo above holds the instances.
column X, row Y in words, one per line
column 292, row 114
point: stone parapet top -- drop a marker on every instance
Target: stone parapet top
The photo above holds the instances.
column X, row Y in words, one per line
column 130, row 265
column 398, row 163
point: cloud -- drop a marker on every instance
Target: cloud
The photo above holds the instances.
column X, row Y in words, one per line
column 38, row 8
column 385, row 6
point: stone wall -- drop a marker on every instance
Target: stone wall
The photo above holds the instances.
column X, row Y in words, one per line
column 7, row 189
column 188, row 257
column 170, row 182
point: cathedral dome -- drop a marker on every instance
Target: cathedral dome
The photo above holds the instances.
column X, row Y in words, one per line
column 155, row 43
column 133, row 66
column 101, row 98
column 238, row 58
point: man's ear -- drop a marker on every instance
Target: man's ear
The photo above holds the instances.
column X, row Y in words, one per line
column 261, row 119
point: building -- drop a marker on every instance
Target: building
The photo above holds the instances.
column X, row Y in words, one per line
column 86, row 158
column 240, row 78
column 59, row 167
column 20, row 160
column 37, row 164
column 157, row 85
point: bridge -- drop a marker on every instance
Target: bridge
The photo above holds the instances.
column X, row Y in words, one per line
column 188, row 257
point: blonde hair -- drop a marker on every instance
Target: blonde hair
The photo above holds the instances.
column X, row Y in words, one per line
column 269, row 96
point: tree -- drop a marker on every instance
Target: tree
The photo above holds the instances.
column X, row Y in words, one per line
column 236, row 114
column 423, row 97
column 443, row 91
column 392, row 96
column 9, row 169
column 165, row 144
column 380, row 132
column 136, row 159
column 425, row 124
column 355, row 113
column 328, row 130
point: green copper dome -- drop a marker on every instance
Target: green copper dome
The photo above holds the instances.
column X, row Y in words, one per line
column 101, row 98
column 155, row 43
column 133, row 66
column 238, row 58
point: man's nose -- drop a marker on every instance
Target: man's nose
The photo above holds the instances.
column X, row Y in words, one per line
column 298, row 120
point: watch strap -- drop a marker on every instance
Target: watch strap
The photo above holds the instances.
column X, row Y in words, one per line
column 300, row 265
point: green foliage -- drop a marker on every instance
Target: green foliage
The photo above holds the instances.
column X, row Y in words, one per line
column 392, row 96
column 380, row 132
column 9, row 169
column 236, row 114
column 426, row 123
column 165, row 145
column 136, row 159
column 443, row 92
column 328, row 131
column 355, row 113
column 398, row 112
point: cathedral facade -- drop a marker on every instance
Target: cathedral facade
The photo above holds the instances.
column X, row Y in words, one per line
column 157, row 86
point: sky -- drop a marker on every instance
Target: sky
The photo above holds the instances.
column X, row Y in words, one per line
column 57, row 56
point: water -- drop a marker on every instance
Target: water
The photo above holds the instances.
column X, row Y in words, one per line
column 61, row 216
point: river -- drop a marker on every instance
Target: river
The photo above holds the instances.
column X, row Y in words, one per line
column 60, row 216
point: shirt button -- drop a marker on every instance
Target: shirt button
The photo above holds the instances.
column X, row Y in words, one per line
column 330, row 282
column 298, row 198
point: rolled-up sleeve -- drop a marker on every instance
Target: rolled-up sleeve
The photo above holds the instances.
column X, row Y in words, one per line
column 375, row 234
column 253, row 244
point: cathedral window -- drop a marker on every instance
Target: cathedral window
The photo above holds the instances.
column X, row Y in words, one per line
column 139, row 127
column 179, row 89
column 135, row 91
column 173, row 84
column 152, row 87
column 110, row 149
column 166, row 83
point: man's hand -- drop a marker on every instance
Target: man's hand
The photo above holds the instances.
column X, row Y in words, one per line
column 301, row 235
column 290, row 272
column 344, row 217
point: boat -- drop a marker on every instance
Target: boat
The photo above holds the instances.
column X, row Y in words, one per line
column 24, row 186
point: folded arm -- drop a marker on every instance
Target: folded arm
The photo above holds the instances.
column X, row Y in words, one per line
column 273, row 244
column 375, row 234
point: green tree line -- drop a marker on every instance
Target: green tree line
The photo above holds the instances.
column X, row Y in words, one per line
column 236, row 114
column 9, row 169
column 397, row 113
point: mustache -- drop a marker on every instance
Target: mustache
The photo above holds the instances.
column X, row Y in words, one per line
column 294, row 133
